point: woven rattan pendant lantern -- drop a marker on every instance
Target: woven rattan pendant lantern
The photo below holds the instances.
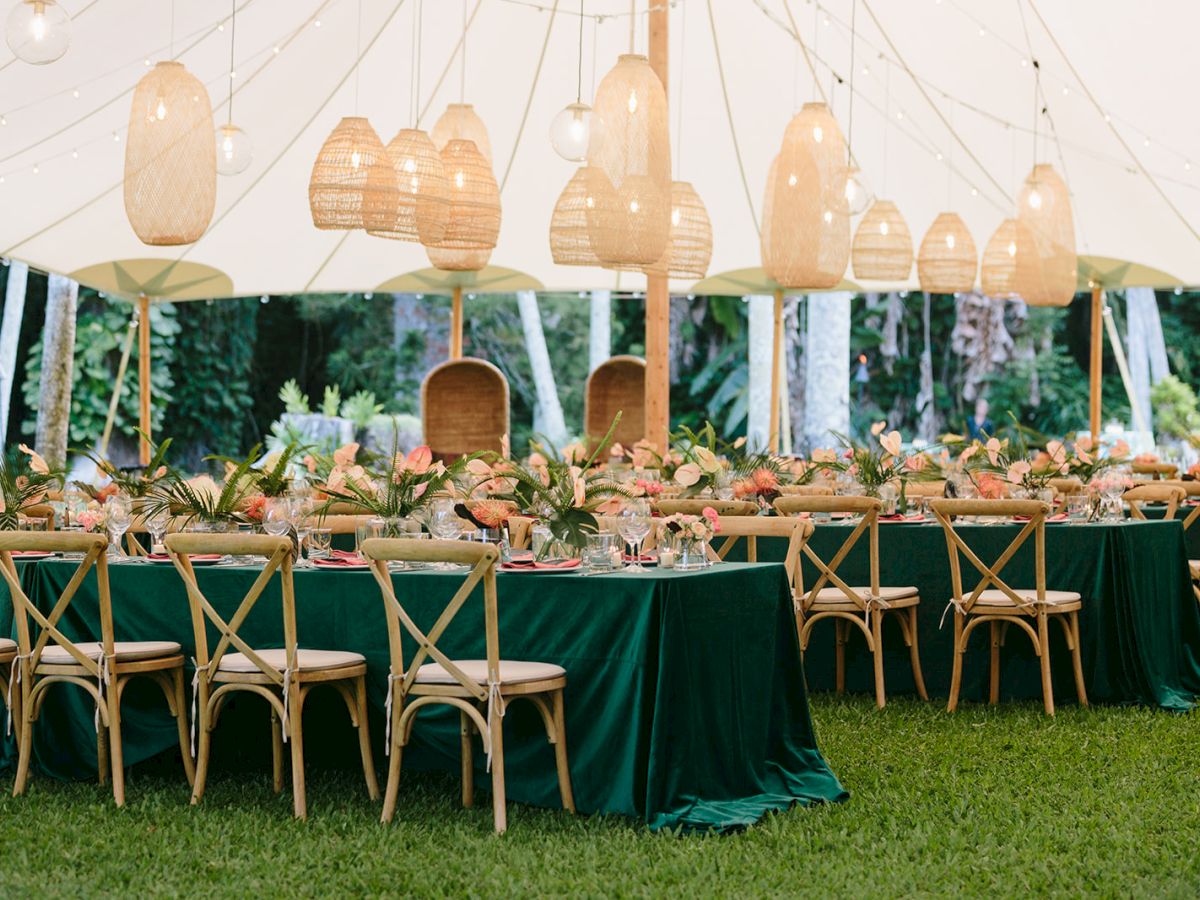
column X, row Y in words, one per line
column 629, row 153
column 460, row 122
column 458, row 260
column 422, row 209
column 946, row 262
column 570, row 243
column 689, row 249
column 170, row 158
column 998, row 272
column 805, row 238
column 1046, row 263
column 882, row 249
column 352, row 172
column 474, row 211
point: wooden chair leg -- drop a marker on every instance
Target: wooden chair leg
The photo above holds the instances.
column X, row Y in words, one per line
column 24, row 739
column 956, row 675
column 364, row 737
column 102, row 754
column 915, row 654
column 1077, row 660
column 203, row 747
column 113, row 699
column 877, row 656
column 560, row 754
column 181, row 723
column 296, row 738
column 496, row 736
column 840, row 637
column 994, row 668
column 276, row 753
column 1044, row 645
column 468, row 762
column 392, row 788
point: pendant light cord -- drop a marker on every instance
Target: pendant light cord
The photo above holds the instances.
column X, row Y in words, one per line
column 850, row 116
column 232, row 39
column 414, row 80
column 357, row 54
column 462, row 60
column 579, row 68
column 887, row 118
column 679, row 112
column 804, row 50
column 632, row 23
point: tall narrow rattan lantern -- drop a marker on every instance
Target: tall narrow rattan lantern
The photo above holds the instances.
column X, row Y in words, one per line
column 998, row 273
column 1046, row 262
column 352, row 172
column 882, row 249
column 690, row 248
column 630, row 154
column 460, row 122
column 170, row 158
column 570, row 243
column 946, row 262
column 805, row 237
column 422, row 208
column 474, row 221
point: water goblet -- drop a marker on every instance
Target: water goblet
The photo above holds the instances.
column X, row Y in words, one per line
column 634, row 525
column 445, row 525
column 118, row 517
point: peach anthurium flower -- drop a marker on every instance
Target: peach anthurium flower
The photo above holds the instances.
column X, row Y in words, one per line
column 993, row 447
column 687, row 474
column 1084, row 442
column 616, row 450
column 580, row 488
column 1119, row 450
column 1057, row 453
column 159, row 472
column 574, row 452
column 643, row 456
column 877, row 428
column 707, row 460
column 968, row 453
column 821, row 455
column 310, row 463
column 537, row 460
column 505, row 450
column 36, row 462
column 610, row 507
column 479, row 468
column 1018, row 470
column 739, row 443
column 344, row 456
column 917, row 463
column 891, row 442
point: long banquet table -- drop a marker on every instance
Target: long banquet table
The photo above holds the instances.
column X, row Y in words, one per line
column 685, row 702
column 1140, row 623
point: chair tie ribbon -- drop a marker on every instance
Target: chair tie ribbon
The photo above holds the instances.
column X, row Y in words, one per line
column 387, row 709
column 870, row 601
column 101, row 681
column 288, row 675
column 496, row 702
column 195, row 695
column 14, row 677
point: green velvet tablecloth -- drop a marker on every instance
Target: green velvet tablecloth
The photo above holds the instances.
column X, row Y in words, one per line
column 1140, row 623
column 685, row 695
column 1193, row 533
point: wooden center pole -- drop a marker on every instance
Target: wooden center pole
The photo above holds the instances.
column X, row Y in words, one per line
column 456, row 323
column 1097, row 357
column 776, row 361
column 144, row 378
column 658, row 300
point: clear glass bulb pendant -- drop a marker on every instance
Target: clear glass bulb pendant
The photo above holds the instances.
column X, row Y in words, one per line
column 570, row 132
column 858, row 196
column 38, row 31
column 234, row 150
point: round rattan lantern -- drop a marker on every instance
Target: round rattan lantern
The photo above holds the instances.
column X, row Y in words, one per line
column 1046, row 263
column 170, row 158
column 946, row 262
column 805, row 237
column 352, row 174
column 422, row 208
column 570, row 243
column 474, row 212
column 882, row 249
column 458, row 260
column 460, row 122
column 630, row 152
column 998, row 272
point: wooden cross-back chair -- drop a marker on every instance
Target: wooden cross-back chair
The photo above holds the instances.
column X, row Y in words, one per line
column 477, row 688
column 695, row 506
column 1155, row 470
column 994, row 601
column 1064, row 488
column 831, row 597
column 617, row 385
column 806, row 490
column 42, row 511
column 925, row 488
column 796, row 532
column 283, row 677
column 464, row 408
column 46, row 656
column 1170, row 494
column 1192, row 490
column 339, row 524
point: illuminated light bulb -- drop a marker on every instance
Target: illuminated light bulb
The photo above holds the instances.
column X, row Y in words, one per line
column 1035, row 199
column 899, row 115
column 74, row 154
column 828, row 217
column 589, row 202
column 355, row 159
column 633, row 102
column 633, row 206
column 1187, row 167
column 858, row 195
column 1012, row 248
column 676, row 215
column 275, row 49
column 234, row 150
column 35, row 169
column 160, row 109
column 792, row 180
column 3, row 121
column 317, row 23
column 37, row 26
column 884, row 229
column 75, row 93
column 458, row 179
column 818, row 133
column 38, row 31
column 950, row 241
column 571, row 130
column 410, row 165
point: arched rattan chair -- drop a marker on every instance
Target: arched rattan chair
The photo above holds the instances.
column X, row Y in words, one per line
column 464, row 408
column 616, row 385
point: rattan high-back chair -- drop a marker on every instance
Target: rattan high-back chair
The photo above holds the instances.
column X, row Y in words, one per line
column 617, row 385
column 695, row 506
column 46, row 656
column 464, row 408
column 994, row 601
column 1170, row 494
column 830, row 597
column 477, row 688
column 282, row 676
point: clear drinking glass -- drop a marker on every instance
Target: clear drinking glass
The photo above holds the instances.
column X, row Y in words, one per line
column 634, row 525
column 599, row 552
column 320, row 543
column 445, row 525
column 301, row 516
column 1077, row 507
column 156, row 527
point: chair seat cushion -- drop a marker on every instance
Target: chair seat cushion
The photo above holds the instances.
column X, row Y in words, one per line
column 831, row 597
column 1194, row 566
column 511, row 672
column 7, row 645
column 306, row 660
column 123, row 651
column 1053, row 598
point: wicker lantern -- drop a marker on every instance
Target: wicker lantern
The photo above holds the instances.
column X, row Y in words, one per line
column 352, row 173
column 946, row 262
column 422, row 207
column 570, row 244
column 474, row 221
column 805, row 237
column 460, row 122
column 690, row 246
column 630, row 154
column 998, row 273
column 170, row 158
column 1046, row 262
column 882, row 249
column 458, row 260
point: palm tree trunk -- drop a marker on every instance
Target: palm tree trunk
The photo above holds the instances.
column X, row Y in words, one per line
column 599, row 329
column 761, row 350
column 10, row 332
column 58, row 358
column 548, row 415
column 827, row 382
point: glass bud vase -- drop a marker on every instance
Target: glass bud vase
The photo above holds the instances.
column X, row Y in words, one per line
column 691, row 553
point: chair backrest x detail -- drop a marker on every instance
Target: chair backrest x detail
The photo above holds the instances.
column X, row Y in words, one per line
column 750, row 528
column 1170, row 494
column 865, row 507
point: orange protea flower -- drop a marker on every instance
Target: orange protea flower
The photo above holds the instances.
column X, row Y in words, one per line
column 990, row 487
column 743, row 487
column 493, row 513
column 765, row 481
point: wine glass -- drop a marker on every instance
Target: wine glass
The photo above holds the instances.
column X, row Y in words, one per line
column 156, row 525
column 277, row 517
column 634, row 526
column 445, row 525
column 117, row 519
column 301, row 514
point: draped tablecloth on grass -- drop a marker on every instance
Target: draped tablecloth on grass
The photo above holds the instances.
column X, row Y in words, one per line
column 1140, row 623
column 685, row 695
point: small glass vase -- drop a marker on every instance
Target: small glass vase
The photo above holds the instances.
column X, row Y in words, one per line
column 691, row 554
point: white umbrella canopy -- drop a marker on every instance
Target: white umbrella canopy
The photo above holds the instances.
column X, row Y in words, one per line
column 61, row 155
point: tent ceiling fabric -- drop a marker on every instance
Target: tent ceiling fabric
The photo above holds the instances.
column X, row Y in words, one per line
column 68, row 215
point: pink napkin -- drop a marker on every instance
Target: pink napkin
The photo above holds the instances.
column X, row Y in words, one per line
column 645, row 557
column 1057, row 517
column 341, row 559
column 913, row 517
column 531, row 564
column 195, row 557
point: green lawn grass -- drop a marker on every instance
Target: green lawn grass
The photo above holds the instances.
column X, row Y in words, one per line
column 986, row 801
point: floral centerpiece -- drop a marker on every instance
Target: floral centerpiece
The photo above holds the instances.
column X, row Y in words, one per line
column 688, row 536
column 1024, row 469
column 882, row 463
column 1091, row 458
column 135, row 482
column 23, row 485
column 710, row 464
column 200, row 501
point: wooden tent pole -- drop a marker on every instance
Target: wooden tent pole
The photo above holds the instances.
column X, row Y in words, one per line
column 776, row 359
column 1097, row 357
column 144, row 378
column 658, row 300
column 456, row 323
